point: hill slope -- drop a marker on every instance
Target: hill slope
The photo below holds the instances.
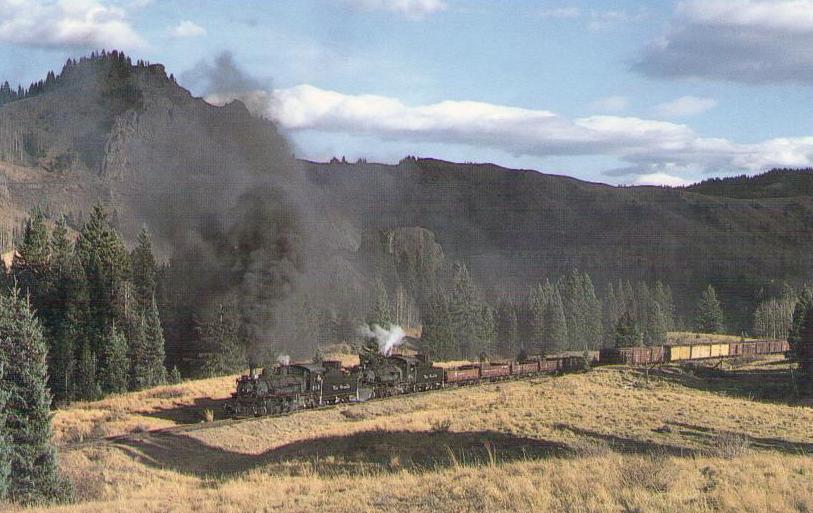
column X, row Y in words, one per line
column 609, row 440
column 517, row 227
column 128, row 135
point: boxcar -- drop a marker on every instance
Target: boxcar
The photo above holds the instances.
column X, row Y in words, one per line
column 520, row 368
column 550, row 364
column 678, row 353
column 491, row 371
column 463, row 374
column 641, row 355
column 700, row 351
column 720, row 350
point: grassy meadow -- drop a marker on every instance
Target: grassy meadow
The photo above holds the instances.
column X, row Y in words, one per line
column 612, row 439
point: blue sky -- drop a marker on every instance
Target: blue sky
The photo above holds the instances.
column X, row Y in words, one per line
column 617, row 92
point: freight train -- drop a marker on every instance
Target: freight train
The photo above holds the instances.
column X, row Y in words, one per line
column 286, row 388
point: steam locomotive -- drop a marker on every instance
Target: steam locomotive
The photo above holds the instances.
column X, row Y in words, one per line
column 286, row 388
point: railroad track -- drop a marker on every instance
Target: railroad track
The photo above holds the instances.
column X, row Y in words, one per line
column 200, row 426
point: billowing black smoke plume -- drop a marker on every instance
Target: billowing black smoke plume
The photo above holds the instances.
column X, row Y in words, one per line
column 224, row 198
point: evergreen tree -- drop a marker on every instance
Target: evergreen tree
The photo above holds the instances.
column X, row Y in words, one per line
column 106, row 265
column 507, row 327
column 709, row 313
column 86, row 385
column 64, row 312
column 380, row 312
column 30, row 264
column 627, row 332
column 465, row 308
column 655, row 331
column 222, row 336
column 555, row 337
column 537, row 302
column 437, row 336
column 144, row 270
column 34, row 470
column 146, row 350
column 154, row 337
column 487, row 329
column 115, row 364
column 5, row 441
column 800, row 309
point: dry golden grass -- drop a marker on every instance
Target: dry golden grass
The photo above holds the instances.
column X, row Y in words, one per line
column 613, row 439
column 136, row 412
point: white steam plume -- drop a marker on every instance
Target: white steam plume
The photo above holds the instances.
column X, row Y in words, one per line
column 284, row 359
column 387, row 339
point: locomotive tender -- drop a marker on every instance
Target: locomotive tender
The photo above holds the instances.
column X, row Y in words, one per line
column 286, row 388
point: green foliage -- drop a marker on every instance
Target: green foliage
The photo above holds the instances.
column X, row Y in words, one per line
column 507, row 327
column 709, row 313
column 107, row 265
column 144, row 270
column 222, row 336
column 174, row 376
column 380, row 313
column 114, row 362
column 438, row 338
column 34, row 470
column 5, row 441
column 86, row 386
column 627, row 332
column 147, row 350
column 800, row 311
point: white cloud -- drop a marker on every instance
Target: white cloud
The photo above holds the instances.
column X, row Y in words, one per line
column 560, row 12
column 793, row 15
column 648, row 147
column 410, row 8
column 686, row 106
column 600, row 20
column 187, row 28
column 611, row 104
column 752, row 41
column 661, row 179
column 67, row 23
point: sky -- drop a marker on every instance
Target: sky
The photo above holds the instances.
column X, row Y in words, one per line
column 619, row 92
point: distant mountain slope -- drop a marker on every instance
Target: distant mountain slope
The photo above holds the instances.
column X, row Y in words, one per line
column 776, row 183
column 517, row 227
column 128, row 135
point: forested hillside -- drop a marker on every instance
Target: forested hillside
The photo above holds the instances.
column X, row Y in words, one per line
column 287, row 255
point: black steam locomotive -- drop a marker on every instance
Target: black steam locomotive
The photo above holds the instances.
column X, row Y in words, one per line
column 285, row 388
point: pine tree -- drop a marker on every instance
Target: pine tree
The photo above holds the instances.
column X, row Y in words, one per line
column 465, row 307
column 106, row 265
column 29, row 266
column 800, row 309
column 709, row 313
column 144, row 270
column 154, row 337
column 380, row 312
column 34, row 470
column 438, row 338
column 222, row 335
column 507, row 327
column 627, row 332
column 5, row 441
column 655, row 331
column 64, row 313
column 86, row 385
column 537, row 302
column 555, row 338
column 115, row 364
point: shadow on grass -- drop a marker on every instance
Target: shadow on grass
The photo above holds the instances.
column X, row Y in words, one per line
column 191, row 413
column 768, row 384
column 711, row 437
column 357, row 453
